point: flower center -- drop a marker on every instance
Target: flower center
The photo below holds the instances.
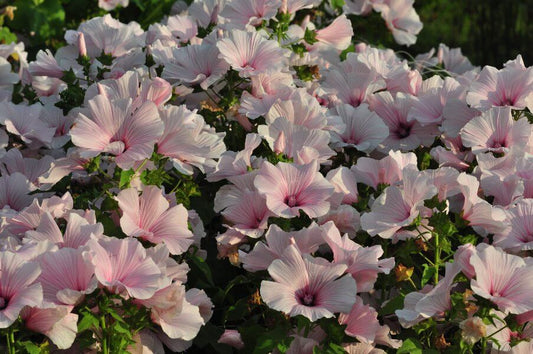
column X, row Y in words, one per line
column 403, row 131
column 306, row 298
column 290, row 201
column 3, row 303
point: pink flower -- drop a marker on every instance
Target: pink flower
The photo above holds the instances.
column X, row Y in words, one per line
column 66, row 276
column 364, row 130
column 122, row 266
column 77, row 233
column 196, row 65
column 188, row 140
column 361, row 322
column 231, row 337
column 507, row 87
column 109, row 5
column 301, row 144
column 502, row 278
column 290, row 188
column 308, row 286
column 519, row 236
column 250, row 53
column 398, row 207
column 401, row 19
column 388, row 170
column 56, row 322
column 362, row 262
column 404, row 134
column 150, row 218
column 307, row 240
column 171, row 310
column 14, row 191
column 240, row 13
column 495, row 131
column 116, row 128
column 17, row 286
column 107, row 35
column 337, row 35
column 182, row 26
column 25, row 121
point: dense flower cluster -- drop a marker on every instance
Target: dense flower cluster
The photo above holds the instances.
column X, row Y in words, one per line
column 364, row 202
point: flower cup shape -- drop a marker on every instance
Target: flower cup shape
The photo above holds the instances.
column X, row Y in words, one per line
column 504, row 279
column 149, row 217
column 290, row 188
column 118, row 128
column 308, row 286
column 17, row 286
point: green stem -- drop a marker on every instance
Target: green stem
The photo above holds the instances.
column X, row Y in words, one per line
column 10, row 336
column 105, row 348
column 437, row 257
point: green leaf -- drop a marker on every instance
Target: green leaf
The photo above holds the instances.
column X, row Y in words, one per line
column 427, row 274
column 269, row 340
column 44, row 18
column 410, row 346
column 199, row 266
column 394, row 304
column 330, row 348
column 6, row 36
column 125, row 178
column 30, row 347
column 337, row 4
column 88, row 321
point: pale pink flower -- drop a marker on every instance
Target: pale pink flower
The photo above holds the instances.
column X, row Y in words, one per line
column 361, row 322
column 25, row 121
column 401, row 19
column 122, row 266
column 453, row 60
column 404, row 134
column 231, row 337
column 17, row 286
column 353, row 81
column 398, row 207
column 205, row 12
column 337, row 35
column 362, row 262
column 233, row 163
column 345, row 185
column 504, row 279
column 266, row 89
column 249, row 215
column 307, row 240
column 300, row 108
column 171, row 310
column 481, row 215
column 388, row 170
column 182, row 26
column 241, row 13
column 54, row 321
column 46, row 65
column 495, row 131
column 345, row 217
column 290, row 188
column 428, row 105
column 250, row 53
column 107, row 35
column 14, row 191
column 149, row 217
column 116, row 127
column 519, row 236
column 308, row 286
column 506, row 87
column 301, row 144
column 109, row 5
column 188, row 140
column 13, row 161
column 195, row 65
column 77, row 233
column 364, row 130
column 66, row 276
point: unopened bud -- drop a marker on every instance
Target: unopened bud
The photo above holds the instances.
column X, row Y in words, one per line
column 82, row 47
